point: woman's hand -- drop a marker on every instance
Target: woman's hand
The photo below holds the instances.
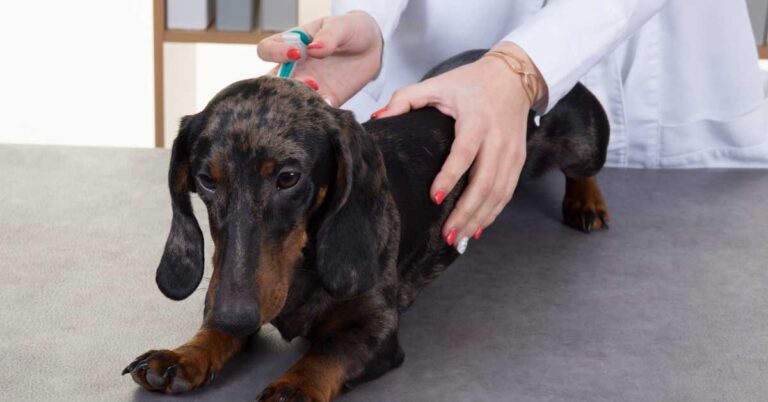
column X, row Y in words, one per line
column 491, row 107
column 345, row 54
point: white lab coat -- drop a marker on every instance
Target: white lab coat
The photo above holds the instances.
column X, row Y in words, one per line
column 679, row 78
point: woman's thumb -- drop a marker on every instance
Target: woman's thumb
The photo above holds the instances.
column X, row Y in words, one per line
column 406, row 99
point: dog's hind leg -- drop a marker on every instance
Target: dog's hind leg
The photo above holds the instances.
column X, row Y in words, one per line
column 574, row 138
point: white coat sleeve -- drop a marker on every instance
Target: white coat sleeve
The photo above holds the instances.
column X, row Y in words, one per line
column 568, row 37
column 387, row 15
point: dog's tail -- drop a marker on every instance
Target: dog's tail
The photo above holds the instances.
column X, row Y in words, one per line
column 573, row 136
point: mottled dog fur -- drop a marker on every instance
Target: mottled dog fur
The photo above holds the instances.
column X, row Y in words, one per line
column 325, row 228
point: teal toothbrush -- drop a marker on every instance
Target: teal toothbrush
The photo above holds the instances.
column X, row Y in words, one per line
column 300, row 40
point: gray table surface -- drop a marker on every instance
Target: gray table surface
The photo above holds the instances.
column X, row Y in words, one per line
column 670, row 304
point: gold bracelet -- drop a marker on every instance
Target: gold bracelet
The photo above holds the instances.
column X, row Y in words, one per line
column 530, row 83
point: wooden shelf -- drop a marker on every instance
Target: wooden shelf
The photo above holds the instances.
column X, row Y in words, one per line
column 763, row 52
column 211, row 35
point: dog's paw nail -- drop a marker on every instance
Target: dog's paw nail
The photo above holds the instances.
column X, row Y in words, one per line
column 462, row 244
column 170, row 372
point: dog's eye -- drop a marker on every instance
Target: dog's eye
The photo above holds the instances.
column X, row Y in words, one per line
column 287, row 179
column 206, row 182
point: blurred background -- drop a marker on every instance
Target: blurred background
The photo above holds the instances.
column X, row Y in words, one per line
column 82, row 72
column 91, row 72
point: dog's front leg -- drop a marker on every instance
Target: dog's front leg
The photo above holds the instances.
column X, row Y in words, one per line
column 348, row 347
column 187, row 367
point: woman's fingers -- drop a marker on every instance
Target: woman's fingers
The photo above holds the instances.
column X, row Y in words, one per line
column 463, row 152
column 476, row 201
column 507, row 176
column 327, row 35
column 317, row 86
column 274, row 49
column 326, row 41
column 483, row 214
column 345, row 54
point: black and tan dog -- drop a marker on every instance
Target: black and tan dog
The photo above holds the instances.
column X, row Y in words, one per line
column 325, row 228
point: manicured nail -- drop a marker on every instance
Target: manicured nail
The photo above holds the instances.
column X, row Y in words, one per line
column 378, row 113
column 312, row 84
column 478, row 234
column 461, row 246
column 451, row 237
column 315, row 45
column 439, row 197
column 293, row 53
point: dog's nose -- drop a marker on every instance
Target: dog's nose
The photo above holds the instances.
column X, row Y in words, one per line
column 237, row 319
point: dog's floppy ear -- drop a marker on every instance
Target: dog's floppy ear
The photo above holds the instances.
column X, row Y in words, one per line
column 347, row 260
column 181, row 267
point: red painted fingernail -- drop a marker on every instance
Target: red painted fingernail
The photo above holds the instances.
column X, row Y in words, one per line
column 451, row 237
column 293, row 53
column 378, row 113
column 439, row 197
column 312, row 83
column 478, row 234
column 315, row 45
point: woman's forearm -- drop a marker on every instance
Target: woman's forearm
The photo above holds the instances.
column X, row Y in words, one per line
column 568, row 37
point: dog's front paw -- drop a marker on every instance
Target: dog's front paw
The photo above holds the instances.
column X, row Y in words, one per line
column 170, row 371
column 286, row 392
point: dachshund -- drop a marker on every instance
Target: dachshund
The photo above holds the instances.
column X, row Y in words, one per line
column 324, row 227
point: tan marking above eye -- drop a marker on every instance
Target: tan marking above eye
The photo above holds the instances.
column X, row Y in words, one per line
column 217, row 174
column 267, row 168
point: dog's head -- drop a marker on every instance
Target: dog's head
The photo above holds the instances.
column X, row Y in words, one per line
column 277, row 169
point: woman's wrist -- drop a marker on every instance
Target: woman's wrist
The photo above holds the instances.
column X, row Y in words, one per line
column 526, row 69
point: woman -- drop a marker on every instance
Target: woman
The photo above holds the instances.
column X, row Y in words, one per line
column 680, row 83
